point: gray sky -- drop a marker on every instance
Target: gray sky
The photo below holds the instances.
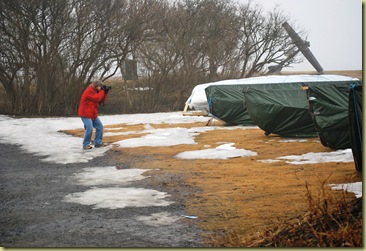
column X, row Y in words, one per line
column 334, row 30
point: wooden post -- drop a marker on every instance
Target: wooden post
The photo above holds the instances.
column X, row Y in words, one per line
column 185, row 109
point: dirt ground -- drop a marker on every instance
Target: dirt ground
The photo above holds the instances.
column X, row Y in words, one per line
column 237, row 199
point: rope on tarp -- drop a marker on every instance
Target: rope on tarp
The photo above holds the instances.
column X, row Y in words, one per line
column 357, row 116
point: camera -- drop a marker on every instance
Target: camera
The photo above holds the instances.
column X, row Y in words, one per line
column 106, row 87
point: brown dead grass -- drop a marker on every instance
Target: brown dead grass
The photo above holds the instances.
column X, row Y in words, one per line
column 237, row 199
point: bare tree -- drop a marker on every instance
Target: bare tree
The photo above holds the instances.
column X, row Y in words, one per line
column 262, row 40
column 51, row 49
column 57, row 46
column 218, row 31
column 184, row 49
column 16, row 68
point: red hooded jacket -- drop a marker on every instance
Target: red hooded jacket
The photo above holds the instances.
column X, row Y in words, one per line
column 89, row 102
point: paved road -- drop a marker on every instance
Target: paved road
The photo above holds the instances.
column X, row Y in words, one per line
column 33, row 213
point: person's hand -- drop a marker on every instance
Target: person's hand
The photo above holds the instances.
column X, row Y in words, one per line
column 106, row 88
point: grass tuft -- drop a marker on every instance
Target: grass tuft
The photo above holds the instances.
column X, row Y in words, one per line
column 330, row 222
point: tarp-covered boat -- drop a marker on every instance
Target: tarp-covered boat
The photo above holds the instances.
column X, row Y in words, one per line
column 198, row 99
column 285, row 111
column 225, row 102
column 329, row 106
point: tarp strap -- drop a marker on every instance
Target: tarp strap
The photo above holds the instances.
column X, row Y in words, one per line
column 210, row 108
column 210, row 104
column 356, row 112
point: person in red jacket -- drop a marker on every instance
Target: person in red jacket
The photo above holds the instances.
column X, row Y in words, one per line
column 92, row 97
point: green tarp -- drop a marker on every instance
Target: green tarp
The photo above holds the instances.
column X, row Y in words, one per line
column 281, row 111
column 329, row 106
column 355, row 121
column 226, row 101
column 283, row 108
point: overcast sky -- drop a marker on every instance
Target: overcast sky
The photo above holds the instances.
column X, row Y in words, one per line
column 334, row 30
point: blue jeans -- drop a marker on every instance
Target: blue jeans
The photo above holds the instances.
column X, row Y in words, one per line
column 88, row 126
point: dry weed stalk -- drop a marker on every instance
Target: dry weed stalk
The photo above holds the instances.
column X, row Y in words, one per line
column 330, row 222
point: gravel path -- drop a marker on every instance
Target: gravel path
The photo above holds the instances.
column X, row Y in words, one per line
column 34, row 214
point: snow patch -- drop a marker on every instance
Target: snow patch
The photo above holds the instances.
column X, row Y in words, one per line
column 117, row 197
column 224, row 151
column 355, row 188
column 108, row 175
column 322, row 157
column 292, row 140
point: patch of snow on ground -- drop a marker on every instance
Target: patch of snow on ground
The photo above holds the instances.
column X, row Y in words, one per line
column 108, row 175
column 119, row 197
column 292, row 140
column 224, row 151
column 114, row 197
column 355, row 188
column 313, row 158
